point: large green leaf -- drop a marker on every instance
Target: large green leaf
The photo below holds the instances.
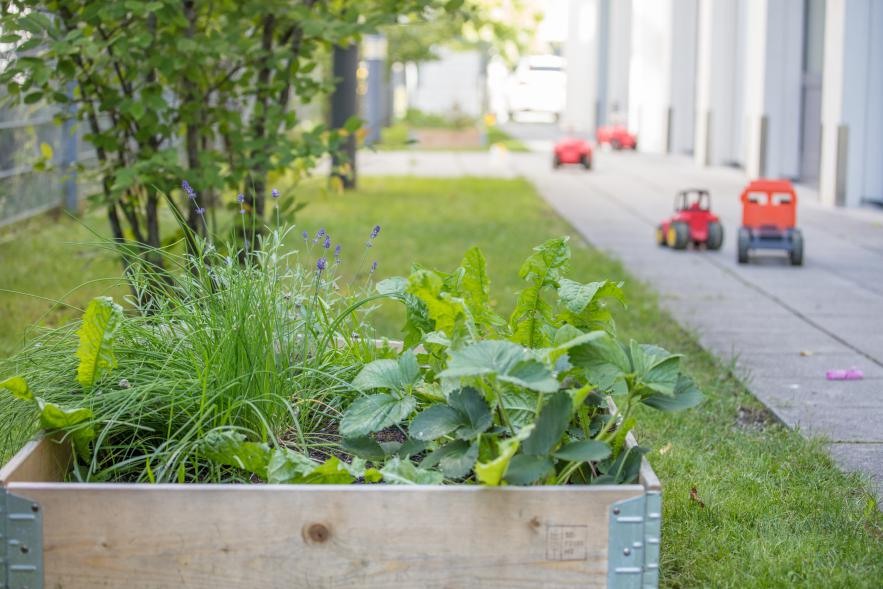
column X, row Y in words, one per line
column 550, row 425
column 476, row 414
column 524, row 469
column 455, row 459
column 490, row 472
column 404, row 472
column 331, row 472
column 548, row 262
column 395, row 375
column 584, row 305
column 531, row 316
column 507, row 361
column 435, row 422
column 97, row 333
column 364, row 447
column 428, row 286
column 75, row 421
column 475, row 287
column 604, row 361
column 288, row 466
column 230, row 448
column 684, row 396
column 373, row 413
column 583, row 451
column 19, row 388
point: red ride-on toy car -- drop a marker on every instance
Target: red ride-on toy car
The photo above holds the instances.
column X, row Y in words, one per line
column 769, row 215
column 693, row 222
column 572, row 151
column 617, row 136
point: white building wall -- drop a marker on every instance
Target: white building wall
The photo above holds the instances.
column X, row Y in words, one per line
column 772, row 87
column 719, row 73
column 852, row 98
column 449, row 85
column 581, row 52
column 662, row 73
column 619, row 55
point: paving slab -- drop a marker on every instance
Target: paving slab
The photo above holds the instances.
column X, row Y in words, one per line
column 761, row 315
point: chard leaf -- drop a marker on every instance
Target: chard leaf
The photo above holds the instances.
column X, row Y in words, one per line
column 428, row 287
column 583, row 451
column 395, row 375
column 288, row 466
column 230, row 448
column 476, row 415
column 74, row 421
column 507, row 361
column 475, row 287
column 530, row 317
column 548, row 262
column 491, row 472
column 331, row 472
column 524, row 469
column 435, row 422
column 97, row 333
column 373, row 413
column 19, row 388
column 550, row 425
column 417, row 321
column 403, row 472
column 684, row 396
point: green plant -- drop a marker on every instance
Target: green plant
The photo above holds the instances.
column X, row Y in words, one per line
column 522, row 401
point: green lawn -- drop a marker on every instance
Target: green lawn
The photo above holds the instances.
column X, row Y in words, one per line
column 775, row 512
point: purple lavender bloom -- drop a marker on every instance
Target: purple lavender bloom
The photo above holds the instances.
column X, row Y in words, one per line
column 337, row 254
column 241, row 211
column 374, row 267
column 274, row 193
column 305, row 235
column 191, row 194
column 327, row 243
column 241, row 198
column 375, row 231
column 200, row 211
column 321, row 264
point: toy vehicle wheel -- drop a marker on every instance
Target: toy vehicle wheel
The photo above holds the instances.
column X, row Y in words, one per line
column 586, row 161
column 742, row 246
column 678, row 236
column 715, row 236
column 796, row 253
column 556, row 162
column 660, row 236
column 615, row 144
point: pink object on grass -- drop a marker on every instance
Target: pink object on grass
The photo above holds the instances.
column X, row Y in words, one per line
column 840, row 374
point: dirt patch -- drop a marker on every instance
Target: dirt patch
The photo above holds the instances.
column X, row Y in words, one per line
column 447, row 138
column 753, row 418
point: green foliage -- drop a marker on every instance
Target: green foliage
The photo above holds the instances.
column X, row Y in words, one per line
column 97, row 333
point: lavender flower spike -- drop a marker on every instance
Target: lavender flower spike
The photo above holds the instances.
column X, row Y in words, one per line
column 241, row 198
column 375, row 231
column 337, row 253
column 200, row 211
column 274, row 193
column 374, row 267
column 305, row 235
column 327, row 243
column 321, row 264
column 191, row 194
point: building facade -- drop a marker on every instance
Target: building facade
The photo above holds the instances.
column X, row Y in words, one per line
column 781, row 88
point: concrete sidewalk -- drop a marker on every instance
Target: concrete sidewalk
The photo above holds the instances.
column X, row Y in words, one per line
column 785, row 326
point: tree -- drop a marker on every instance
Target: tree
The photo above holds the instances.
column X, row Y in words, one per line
column 172, row 90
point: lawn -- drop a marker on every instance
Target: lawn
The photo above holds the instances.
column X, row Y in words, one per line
column 769, row 508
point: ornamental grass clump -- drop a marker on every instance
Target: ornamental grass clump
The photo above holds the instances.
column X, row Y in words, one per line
column 259, row 347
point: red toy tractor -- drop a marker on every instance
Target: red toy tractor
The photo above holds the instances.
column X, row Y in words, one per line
column 617, row 136
column 693, row 222
column 572, row 151
column 769, row 215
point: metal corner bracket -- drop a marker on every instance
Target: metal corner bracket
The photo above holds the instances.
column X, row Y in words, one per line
column 21, row 534
column 633, row 542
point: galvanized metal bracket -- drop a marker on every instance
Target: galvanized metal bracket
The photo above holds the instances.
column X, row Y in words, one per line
column 633, row 542
column 21, row 534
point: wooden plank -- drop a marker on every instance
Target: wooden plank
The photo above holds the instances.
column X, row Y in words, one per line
column 41, row 460
column 341, row 536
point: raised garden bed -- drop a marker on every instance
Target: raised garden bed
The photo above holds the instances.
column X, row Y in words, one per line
column 76, row 535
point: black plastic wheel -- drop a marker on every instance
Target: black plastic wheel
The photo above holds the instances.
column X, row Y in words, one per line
column 796, row 253
column 715, row 236
column 586, row 161
column 556, row 162
column 615, row 144
column 744, row 241
column 678, row 236
column 660, row 236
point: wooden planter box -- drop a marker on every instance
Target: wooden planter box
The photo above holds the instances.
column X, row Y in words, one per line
column 86, row 536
